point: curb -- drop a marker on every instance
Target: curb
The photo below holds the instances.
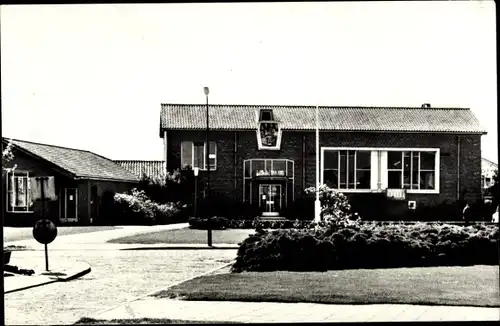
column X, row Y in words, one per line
column 69, row 275
column 161, row 289
column 185, row 247
column 31, row 286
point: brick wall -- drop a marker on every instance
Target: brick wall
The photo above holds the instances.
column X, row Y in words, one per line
column 230, row 164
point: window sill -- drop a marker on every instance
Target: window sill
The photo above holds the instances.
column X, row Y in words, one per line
column 20, row 212
column 436, row 192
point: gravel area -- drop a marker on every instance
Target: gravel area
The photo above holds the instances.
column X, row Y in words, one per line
column 116, row 276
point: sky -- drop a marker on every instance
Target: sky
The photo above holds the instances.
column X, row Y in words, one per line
column 94, row 76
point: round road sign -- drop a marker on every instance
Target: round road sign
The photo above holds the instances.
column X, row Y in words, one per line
column 44, row 231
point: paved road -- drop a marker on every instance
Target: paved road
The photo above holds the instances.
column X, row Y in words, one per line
column 116, row 276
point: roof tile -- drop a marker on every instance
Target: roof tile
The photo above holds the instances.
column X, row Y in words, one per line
column 388, row 119
column 81, row 163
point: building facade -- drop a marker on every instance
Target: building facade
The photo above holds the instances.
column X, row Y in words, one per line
column 488, row 170
column 266, row 155
column 82, row 183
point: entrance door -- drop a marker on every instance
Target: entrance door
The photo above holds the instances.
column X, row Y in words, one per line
column 71, row 204
column 270, row 196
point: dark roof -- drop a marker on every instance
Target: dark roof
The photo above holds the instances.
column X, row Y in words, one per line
column 80, row 163
column 152, row 169
column 384, row 119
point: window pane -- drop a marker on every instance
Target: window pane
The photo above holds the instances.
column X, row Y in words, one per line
column 212, row 163
column 343, row 169
column 257, row 165
column 330, row 178
column 21, row 191
column 350, row 172
column 331, row 160
column 427, row 160
column 213, row 147
column 415, row 181
column 279, row 165
column 363, row 159
column 407, row 170
column 362, row 179
column 186, row 153
column 199, row 158
column 394, row 160
column 427, row 180
column 394, row 179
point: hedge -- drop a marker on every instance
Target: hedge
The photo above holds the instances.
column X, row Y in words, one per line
column 369, row 245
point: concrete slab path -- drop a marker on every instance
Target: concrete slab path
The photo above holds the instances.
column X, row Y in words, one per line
column 271, row 312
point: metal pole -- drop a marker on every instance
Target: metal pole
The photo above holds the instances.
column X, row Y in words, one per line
column 207, row 162
column 317, row 204
column 42, row 189
column 195, row 195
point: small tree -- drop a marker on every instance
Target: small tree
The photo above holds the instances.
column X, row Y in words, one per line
column 7, row 157
column 335, row 209
column 493, row 190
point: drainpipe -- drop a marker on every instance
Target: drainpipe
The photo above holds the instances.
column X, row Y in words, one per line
column 458, row 167
column 303, row 164
column 235, row 149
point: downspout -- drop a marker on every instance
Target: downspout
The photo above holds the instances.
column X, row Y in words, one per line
column 303, row 164
column 458, row 168
column 235, row 149
column 165, row 151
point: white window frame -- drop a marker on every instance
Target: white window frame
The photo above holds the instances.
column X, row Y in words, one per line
column 10, row 177
column 379, row 168
column 355, row 169
column 211, row 156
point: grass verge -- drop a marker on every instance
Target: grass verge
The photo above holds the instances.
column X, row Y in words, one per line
column 186, row 236
column 92, row 321
column 455, row 286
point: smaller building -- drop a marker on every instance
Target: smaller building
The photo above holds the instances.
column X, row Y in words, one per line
column 84, row 183
column 152, row 169
column 488, row 170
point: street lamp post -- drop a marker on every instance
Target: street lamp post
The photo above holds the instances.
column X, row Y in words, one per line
column 317, row 204
column 196, row 170
column 207, row 162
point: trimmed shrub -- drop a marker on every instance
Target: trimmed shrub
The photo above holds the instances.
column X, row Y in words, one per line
column 369, row 245
column 214, row 223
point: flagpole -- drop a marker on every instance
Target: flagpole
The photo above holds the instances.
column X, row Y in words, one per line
column 317, row 204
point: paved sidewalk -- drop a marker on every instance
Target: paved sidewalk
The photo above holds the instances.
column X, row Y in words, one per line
column 95, row 240
column 41, row 277
column 270, row 312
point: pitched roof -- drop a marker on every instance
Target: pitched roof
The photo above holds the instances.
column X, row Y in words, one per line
column 388, row 119
column 80, row 163
column 151, row 168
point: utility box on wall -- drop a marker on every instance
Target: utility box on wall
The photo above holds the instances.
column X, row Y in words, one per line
column 412, row 205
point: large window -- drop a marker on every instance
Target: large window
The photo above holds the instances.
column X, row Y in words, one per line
column 374, row 169
column 18, row 191
column 193, row 154
column 347, row 169
column 413, row 170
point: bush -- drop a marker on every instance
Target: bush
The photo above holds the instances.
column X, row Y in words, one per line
column 335, row 209
column 214, row 223
column 137, row 209
column 369, row 245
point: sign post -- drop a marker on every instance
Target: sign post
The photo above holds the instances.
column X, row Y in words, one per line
column 45, row 230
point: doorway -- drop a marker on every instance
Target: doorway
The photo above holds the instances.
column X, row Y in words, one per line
column 270, row 199
column 70, row 204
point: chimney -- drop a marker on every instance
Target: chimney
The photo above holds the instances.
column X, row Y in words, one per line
column 426, row 105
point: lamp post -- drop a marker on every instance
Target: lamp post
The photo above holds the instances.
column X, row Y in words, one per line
column 207, row 162
column 196, row 170
column 317, row 204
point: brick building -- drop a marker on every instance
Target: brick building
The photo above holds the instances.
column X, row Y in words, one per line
column 265, row 155
column 82, row 182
